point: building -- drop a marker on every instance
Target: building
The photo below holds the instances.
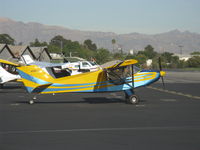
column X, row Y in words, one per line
column 41, row 54
column 18, row 51
column 14, row 53
column 183, row 57
column 5, row 53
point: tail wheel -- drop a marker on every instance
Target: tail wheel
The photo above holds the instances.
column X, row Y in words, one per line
column 133, row 99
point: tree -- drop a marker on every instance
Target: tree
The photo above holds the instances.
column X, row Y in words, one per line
column 6, row 39
column 167, row 57
column 62, row 44
column 59, row 41
column 171, row 61
column 70, row 48
column 113, row 43
column 53, row 49
column 37, row 43
column 194, row 62
column 118, row 56
column 149, row 52
column 102, row 55
column 129, row 56
column 174, row 62
column 141, row 59
column 88, row 44
column 195, row 53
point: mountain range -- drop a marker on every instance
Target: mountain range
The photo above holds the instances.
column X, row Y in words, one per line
column 172, row 41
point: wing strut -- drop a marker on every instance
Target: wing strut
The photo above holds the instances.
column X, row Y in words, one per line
column 132, row 68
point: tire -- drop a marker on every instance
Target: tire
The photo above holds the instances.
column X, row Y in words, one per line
column 133, row 99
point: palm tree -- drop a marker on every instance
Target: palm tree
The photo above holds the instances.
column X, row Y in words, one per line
column 113, row 43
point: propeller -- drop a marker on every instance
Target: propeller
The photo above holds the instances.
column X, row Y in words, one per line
column 162, row 73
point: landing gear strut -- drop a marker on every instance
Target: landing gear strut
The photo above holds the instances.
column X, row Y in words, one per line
column 131, row 98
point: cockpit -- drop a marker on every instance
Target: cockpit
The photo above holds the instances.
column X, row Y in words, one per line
column 119, row 75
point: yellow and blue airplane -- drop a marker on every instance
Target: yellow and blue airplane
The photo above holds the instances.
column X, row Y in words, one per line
column 123, row 76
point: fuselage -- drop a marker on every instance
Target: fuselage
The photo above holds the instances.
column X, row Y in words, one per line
column 38, row 81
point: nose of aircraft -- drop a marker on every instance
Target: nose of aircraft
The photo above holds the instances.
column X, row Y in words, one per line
column 162, row 73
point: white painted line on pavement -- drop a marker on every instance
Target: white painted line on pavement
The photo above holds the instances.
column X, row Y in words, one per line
column 101, row 129
column 174, row 92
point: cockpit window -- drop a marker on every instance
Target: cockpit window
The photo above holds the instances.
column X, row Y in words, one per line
column 9, row 68
column 57, row 72
column 136, row 69
column 119, row 75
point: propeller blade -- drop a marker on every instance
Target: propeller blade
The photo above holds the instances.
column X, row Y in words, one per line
column 159, row 63
column 163, row 83
column 161, row 72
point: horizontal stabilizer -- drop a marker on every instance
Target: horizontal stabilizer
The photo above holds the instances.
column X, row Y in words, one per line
column 34, row 77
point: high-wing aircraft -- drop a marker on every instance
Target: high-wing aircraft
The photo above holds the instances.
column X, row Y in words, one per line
column 123, row 76
column 72, row 67
column 8, row 72
column 8, row 69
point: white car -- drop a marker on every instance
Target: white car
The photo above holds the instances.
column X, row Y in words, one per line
column 83, row 66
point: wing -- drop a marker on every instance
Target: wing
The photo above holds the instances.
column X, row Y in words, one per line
column 124, row 63
column 46, row 64
column 8, row 62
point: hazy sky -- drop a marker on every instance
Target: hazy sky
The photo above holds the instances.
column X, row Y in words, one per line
column 120, row 16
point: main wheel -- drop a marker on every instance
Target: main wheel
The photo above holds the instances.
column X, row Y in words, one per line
column 133, row 99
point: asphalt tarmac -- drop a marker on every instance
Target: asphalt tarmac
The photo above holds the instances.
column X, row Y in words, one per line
column 164, row 119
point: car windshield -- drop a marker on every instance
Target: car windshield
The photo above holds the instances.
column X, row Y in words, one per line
column 93, row 63
column 85, row 64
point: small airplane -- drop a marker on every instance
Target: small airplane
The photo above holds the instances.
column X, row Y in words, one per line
column 123, row 76
column 72, row 68
column 8, row 72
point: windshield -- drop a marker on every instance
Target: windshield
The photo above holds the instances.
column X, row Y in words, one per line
column 93, row 63
column 136, row 69
column 117, row 75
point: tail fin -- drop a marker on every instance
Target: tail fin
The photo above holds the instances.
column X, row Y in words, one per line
column 34, row 77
